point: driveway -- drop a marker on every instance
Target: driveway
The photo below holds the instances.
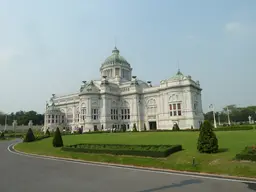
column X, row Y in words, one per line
column 19, row 173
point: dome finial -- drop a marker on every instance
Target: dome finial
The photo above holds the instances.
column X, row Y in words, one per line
column 178, row 73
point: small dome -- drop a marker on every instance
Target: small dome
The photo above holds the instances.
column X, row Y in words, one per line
column 115, row 58
column 178, row 76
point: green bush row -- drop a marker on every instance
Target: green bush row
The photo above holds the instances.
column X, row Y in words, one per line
column 249, row 153
column 118, row 149
column 247, row 157
column 18, row 135
column 234, row 128
column 42, row 137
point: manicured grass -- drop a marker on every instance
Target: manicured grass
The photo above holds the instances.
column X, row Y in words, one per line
column 230, row 142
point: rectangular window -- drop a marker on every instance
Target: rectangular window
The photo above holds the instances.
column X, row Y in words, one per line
column 83, row 113
column 95, row 114
column 175, row 109
column 125, row 113
column 114, row 114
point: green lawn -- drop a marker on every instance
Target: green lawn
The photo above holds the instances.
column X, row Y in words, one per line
column 230, row 142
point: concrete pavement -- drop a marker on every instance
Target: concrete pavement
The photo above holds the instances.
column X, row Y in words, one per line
column 19, row 173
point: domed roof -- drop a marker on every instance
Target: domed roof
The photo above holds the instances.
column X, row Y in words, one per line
column 115, row 58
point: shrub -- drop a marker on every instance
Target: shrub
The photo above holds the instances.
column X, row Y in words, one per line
column 123, row 129
column 48, row 133
column 249, row 153
column 207, row 141
column 134, row 129
column 80, row 130
column 175, row 127
column 29, row 136
column 2, row 137
column 57, row 139
column 118, row 149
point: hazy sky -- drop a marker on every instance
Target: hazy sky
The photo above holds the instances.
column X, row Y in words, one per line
column 50, row 46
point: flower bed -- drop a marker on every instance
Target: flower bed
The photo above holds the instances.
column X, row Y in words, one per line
column 249, row 153
column 118, row 149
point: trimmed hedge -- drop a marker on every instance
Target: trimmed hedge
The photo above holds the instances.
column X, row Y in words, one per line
column 234, row 128
column 249, row 153
column 18, row 135
column 42, row 137
column 118, row 149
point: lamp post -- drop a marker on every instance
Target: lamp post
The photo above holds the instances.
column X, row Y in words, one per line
column 219, row 118
column 228, row 116
column 5, row 123
column 14, row 124
column 214, row 119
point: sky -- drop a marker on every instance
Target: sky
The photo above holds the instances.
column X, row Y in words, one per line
column 51, row 46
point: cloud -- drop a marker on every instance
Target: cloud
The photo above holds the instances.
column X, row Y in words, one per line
column 237, row 28
column 191, row 37
column 7, row 55
column 234, row 28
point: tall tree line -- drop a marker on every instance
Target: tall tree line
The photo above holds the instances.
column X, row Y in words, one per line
column 22, row 118
column 236, row 114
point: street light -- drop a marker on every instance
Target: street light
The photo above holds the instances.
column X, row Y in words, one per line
column 228, row 116
column 5, row 125
column 219, row 118
column 211, row 107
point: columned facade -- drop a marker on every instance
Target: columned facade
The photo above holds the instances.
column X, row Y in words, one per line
column 120, row 100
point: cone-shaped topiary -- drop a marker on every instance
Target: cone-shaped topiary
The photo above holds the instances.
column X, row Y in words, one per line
column 134, row 128
column 48, row 133
column 2, row 135
column 175, row 127
column 207, row 141
column 29, row 136
column 57, row 139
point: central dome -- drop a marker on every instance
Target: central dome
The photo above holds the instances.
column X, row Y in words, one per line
column 115, row 58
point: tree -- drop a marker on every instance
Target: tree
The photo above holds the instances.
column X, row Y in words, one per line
column 207, row 141
column 29, row 136
column 57, row 139
column 134, row 128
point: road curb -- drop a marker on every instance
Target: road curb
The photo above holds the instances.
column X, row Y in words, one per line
column 149, row 169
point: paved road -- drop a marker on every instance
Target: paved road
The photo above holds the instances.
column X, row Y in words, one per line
column 28, row 174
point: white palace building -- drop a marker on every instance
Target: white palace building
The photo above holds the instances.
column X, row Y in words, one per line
column 121, row 99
